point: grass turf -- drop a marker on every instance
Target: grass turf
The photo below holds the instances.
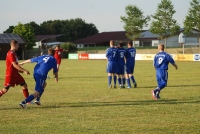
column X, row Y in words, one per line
column 81, row 103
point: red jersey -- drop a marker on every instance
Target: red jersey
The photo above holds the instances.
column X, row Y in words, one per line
column 10, row 58
column 58, row 53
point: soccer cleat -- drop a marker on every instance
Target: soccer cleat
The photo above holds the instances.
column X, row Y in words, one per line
column 23, row 104
column 115, row 86
column 154, row 95
column 128, row 87
column 110, row 87
column 120, row 86
column 157, row 95
column 135, row 85
column 38, row 103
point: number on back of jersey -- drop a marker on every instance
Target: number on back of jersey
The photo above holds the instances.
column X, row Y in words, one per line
column 46, row 59
column 160, row 60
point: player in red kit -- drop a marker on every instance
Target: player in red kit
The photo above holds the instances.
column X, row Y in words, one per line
column 58, row 55
column 13, row 77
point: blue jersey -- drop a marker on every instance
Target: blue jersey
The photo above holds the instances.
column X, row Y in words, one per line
column 111, row 54
column 130, row 56
column 161, row 60
column 121, row 53
column 44, row 64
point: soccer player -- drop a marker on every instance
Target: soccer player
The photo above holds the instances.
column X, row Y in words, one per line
column 111, row 55
column 58, row 55
column 130, row 64
column 44, row 64
column 161, row 61
column 121, row 53
column 13, row 77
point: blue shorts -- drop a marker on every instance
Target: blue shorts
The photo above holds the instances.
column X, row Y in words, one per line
column 40, row 82
column 130, row 69
column 162, row 77
column 112, row 67
column 121, row 69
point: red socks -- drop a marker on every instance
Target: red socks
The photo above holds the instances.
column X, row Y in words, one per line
column 26, row 93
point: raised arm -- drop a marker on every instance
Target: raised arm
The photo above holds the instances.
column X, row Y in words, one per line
column 24, row 62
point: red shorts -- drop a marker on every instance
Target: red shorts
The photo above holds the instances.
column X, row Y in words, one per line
column 58, row 61
column 13, row 80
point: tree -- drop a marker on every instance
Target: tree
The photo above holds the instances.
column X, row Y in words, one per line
column 73, row 29
column 163, row 24
column 9, row 30
column 134, row 22
column 27, row 33
column 69, row 46
column 193, row 17
column 35, row 26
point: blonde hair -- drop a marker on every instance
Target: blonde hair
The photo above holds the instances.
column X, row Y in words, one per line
column 112, row 42
column 162, row 47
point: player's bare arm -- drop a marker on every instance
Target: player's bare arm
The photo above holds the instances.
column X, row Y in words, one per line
column 56, row 77
column 20, row 68
column 24, row 62
column 176, row 67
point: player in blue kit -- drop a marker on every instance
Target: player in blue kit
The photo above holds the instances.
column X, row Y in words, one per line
column 121, row 53
column 130, row 64
column 111, row 55
column 161, row 61
column 44, row 64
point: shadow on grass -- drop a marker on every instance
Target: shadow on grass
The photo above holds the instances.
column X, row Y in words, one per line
column 110, row 104
column 171, row 86
column 123, row 103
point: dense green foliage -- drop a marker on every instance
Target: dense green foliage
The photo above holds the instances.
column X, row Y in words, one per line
column 163, row 23
column 193, row 17
column 81, row 103
column 27, row 33
column 134, row 21
column 73, row 29
column 69, row 46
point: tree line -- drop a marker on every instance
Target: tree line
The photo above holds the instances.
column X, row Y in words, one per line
column 162, row 23
column 73, row 29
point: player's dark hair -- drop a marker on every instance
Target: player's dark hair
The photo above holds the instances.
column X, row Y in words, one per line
column 13, row 42
column 130, row 43
column 121, row 44
column 51, row 51
column 58, row 45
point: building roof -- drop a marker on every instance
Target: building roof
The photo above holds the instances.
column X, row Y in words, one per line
column 44, row 37
column 102, row 37
column 5, row 38
column 107, row 36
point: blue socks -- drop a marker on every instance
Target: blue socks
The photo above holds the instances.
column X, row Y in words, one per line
column 115, row 80
column 30, row 98
column 109, row 80
column 124, row 81
column 38, row 98
column 128, row 82
column 133, row 80
column 119, row 81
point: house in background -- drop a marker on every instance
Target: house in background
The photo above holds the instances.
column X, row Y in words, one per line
column 47, row 40
column 147, row 39
column 5, row 40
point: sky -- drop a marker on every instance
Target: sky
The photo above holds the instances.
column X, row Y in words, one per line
column 105, row 14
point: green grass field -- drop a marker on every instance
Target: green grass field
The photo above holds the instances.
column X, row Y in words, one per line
column 81, row 103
